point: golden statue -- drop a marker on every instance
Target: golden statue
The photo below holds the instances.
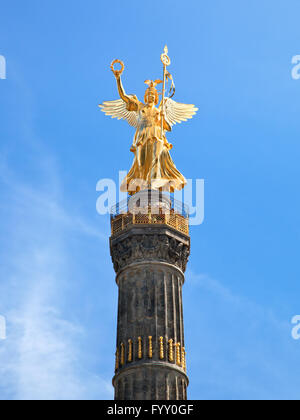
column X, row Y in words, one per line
column 153, row 167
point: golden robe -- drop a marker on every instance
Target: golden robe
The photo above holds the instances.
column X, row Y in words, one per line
column 152, row 166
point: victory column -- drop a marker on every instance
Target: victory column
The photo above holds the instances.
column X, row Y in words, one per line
column 150, row 246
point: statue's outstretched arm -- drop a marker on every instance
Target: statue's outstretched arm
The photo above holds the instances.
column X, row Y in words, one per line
column 131, row 101
column 122, row 90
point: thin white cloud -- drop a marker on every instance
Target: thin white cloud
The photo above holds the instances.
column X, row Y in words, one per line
column 242, row 349
column 41, row 357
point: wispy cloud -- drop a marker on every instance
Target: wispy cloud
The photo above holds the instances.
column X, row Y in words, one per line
column 243, row 349
column 41, row 357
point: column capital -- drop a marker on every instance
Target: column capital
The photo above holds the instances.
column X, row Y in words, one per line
column 147, row 243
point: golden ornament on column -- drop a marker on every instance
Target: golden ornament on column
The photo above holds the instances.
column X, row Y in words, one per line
column 161, row 348
column 140, row 355
column 171, row 353
column 129, row 350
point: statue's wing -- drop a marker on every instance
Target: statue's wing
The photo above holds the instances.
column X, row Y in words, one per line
column 176, row 112
column 118, row 109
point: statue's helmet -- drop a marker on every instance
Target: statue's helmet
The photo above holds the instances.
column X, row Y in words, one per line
column 152, row 89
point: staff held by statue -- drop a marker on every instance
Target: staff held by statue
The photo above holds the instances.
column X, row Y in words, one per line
column 166, row 62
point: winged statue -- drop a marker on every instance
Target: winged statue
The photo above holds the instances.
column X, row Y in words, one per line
column 153, row 167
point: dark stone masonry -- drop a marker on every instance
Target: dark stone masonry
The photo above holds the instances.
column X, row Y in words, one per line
column 150, row 261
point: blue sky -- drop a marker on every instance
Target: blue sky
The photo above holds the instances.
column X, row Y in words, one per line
column 57, row 291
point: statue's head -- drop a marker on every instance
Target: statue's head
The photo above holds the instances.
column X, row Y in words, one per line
column 151, row 94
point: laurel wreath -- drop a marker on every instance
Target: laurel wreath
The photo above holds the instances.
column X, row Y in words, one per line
column 117, row 62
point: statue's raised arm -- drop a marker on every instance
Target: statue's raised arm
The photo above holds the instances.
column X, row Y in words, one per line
column 125, row 108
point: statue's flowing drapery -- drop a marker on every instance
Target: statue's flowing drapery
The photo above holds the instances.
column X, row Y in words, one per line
column 152, row 165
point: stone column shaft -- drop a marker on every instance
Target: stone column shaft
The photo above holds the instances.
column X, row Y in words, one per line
column 150, row 358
